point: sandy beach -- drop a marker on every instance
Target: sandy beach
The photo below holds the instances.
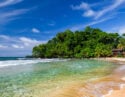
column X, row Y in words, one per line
column 111, row 86
column 117, row 93
column 121, row 91
column 102, row 77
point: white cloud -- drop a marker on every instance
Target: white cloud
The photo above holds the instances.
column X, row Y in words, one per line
column 110, row 8
column 85, row 7
column 81, row 26
column 9, row 2
column 3, row 46
column 28, row 41
column 4, row 37
column 117, row 29
column 99, row 21
column 17, row 46
column 89, row 12
column 82, row 6
column 11, row 15
column 35, row 30
column 23, row 45
column 121, row 29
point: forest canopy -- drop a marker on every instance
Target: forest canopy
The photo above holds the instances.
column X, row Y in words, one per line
column 91, row 42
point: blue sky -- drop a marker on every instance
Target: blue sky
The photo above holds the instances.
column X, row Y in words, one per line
column 26, row 23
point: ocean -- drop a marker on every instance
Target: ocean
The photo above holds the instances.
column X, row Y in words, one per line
column 20, row 77
column 9, row 58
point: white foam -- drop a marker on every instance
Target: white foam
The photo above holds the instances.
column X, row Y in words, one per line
column 121, row 68
column 24, row 62
column 109, row 93
column 122, row 86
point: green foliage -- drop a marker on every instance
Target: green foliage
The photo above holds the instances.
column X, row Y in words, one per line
column 102, row 50
column 121, row 44
column 39, row 51
column 91, row 42
column 87, row 52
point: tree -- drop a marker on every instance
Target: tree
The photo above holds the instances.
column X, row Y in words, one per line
column 121, row 44
column 102, row 50
column 87, row 52
column 91, row 42
column 39, row 51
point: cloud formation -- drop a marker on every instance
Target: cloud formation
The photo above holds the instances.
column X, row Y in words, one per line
column 9, row 2
column 3, row 47
column 88, row 12
column 121, row 29
column 81, row 26
column 17, row 44
column 11, row 15
column 35, row 30
column 96, row 14
column 109, row 8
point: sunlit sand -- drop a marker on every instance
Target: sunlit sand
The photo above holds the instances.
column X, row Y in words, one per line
column 117, row 93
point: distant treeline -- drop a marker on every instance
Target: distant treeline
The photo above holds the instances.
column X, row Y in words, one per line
column 91, row 42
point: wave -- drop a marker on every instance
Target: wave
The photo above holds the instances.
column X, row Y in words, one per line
column 25, row 62
column 111, row 91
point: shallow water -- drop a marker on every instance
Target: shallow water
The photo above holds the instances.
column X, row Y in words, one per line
column 59, row 78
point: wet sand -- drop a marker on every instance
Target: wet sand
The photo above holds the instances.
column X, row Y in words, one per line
column 117, row 93
column 121, row 72
column 111, row 86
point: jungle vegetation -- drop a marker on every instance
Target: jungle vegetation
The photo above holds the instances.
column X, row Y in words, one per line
column 89, row 43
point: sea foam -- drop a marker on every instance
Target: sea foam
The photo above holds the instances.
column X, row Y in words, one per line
column 25, row 62
column 109, row 93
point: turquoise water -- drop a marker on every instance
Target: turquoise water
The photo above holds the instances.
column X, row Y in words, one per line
column 41, row 78
column 9, row 58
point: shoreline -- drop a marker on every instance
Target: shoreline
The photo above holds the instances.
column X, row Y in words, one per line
column 110, row 86
column 102, row 87
column 116, row 93
column 105, row 87
column 121, row 72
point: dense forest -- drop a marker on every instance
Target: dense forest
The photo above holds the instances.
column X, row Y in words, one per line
column 91, row 42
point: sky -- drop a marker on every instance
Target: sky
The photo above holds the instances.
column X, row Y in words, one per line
column 26, row 23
